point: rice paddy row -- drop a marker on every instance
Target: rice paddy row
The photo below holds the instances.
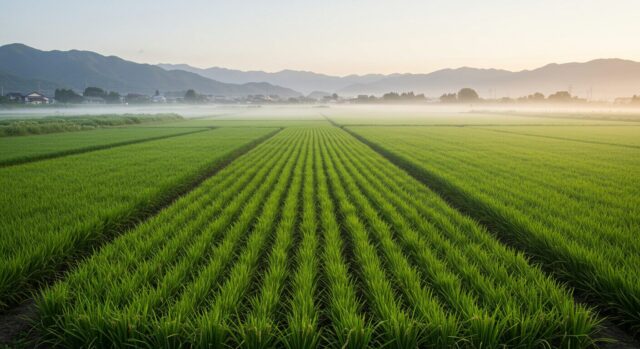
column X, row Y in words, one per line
column 311, row 240
column 19, row 150
column 572, row 205
column 54, row 209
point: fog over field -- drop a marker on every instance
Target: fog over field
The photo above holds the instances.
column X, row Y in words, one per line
column 430, row 113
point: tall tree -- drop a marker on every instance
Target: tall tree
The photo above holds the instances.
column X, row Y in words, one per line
column 467, row 95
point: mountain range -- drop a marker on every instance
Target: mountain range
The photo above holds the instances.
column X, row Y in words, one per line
column 24, row 69
column 303, row 81
column 596, row 79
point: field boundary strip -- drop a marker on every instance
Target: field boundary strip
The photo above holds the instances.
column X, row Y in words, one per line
column 557, row 138
column 141, row 214
column 571, row 116
column 82, row 150
column 489, row 219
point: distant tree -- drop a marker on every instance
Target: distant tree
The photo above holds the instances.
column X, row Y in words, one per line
column 391, row 96
column 112, row 97
column 635, row 99
column 560, row 96
column 403, row 97
column 365, row 99
column 94, row 92
column 157, row 93
column 135, row 98
column 191, row 96
column 468, row 95
column 67, row 96
column 536, row 97
column 449, row 98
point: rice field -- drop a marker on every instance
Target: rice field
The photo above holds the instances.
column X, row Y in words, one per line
column 52, row 209
column 294, row 245
column 299, row 232
column 574, row 205
column 17, row 150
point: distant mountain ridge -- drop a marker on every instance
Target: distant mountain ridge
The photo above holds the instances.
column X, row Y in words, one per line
column 596, row 79
column 303, row 81
column 24, row 66
column 24, row 69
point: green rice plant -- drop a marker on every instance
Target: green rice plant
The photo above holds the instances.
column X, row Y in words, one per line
column 302, row 317
column 400, row 330
column 212, row 329
column 349, row 328
column 569, row 205
column 260, row 328
column 55, row 124
column 53, row 210
column 18, row 150
column 481, row 259
column 311, row 240
column 138, row 316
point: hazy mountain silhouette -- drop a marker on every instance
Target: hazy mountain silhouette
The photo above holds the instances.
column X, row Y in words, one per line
column 79, row 69
column 24, row 69
column 303, row 81
column 600, row 79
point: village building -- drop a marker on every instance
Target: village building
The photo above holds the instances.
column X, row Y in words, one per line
column 35, row 98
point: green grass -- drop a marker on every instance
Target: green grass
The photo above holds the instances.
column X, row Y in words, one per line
column 56, row 124
column 54, row 209
column 16, row 150
column 625, row 135
column 310, row 240
column 573, row 204
column 408, row 115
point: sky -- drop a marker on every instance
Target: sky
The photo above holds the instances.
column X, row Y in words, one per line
column 332, row 36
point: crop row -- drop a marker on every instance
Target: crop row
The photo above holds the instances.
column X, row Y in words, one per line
column 54, row 209
column 18, row 150
column 573, row 206
column 56, row 124
column 311, row 240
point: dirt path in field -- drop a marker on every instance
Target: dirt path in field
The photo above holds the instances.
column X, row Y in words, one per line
column 17, row 323
column 16, row 326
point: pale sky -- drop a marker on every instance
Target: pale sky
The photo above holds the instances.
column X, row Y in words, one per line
column 333, row 36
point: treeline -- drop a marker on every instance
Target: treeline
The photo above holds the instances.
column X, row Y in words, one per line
column 70, row 96
column 469, row 95
column 391, row 97
column 56, row 124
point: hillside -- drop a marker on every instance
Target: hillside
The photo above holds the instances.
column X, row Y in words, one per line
column 303, row 81
column 78, row 69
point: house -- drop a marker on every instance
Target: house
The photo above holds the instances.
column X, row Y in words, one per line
column 36, row 98
column 158, row 99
